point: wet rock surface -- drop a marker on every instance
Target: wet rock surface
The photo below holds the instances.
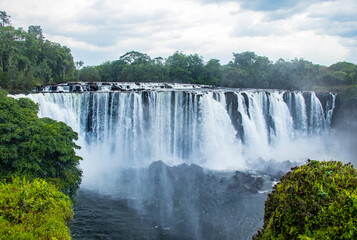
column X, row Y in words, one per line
column 78, row 87
column 180, row 202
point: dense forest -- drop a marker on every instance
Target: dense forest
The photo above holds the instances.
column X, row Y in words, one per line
column 28, row 59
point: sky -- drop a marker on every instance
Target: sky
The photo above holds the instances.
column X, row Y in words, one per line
column 321, row 31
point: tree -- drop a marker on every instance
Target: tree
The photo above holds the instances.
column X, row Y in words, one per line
column 79, row 64
column 59, row 60
column 195, row 66
column 134, row 57
column 211, row 73
column 244, row 59
column 315, row 201
column 107, row 72
column 184, row 68
column 341, row 73
column 89, row 74
column 27, row 60
column 36, row 32
column 244, row 62
column 5, row 19
column 37, row 147
column 261, row 72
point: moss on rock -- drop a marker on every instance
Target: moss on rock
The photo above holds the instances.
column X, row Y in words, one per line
column 315, row 201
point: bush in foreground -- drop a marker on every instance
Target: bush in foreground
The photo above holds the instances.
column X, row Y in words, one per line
column 33, row 210
column 315, row 201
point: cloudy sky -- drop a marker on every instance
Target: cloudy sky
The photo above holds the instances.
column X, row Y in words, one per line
column 321, row 31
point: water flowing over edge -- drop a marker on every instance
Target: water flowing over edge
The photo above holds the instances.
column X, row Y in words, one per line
column 216, row 129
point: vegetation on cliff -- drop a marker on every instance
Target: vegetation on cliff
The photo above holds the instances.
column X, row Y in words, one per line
column 33, row 210
column 315, row 201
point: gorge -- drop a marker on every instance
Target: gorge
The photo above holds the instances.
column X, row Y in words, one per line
column 186, row 161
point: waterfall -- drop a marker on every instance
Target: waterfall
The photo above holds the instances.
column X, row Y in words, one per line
column 317, row 116
column 217, row 129
column 124, row 133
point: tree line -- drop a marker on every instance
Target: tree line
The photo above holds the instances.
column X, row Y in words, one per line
column 246, row 70
column 27, row 59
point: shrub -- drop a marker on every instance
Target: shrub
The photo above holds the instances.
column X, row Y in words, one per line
column 37, row 147
column 33, row 210
column 315, row 201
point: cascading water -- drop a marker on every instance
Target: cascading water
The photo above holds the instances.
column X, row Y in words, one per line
column 217, row 129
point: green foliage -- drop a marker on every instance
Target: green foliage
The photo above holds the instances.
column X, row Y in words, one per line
column 33, row 210
column 246, row 70
column 250, row 70
column 211, row 73
column 37, row 147
column 349, row 97
column 342, row 73
column 345, row 115
column 27, row 59
column 89, row 74
column 315, row 201
column 184, row 68
column 5, row 19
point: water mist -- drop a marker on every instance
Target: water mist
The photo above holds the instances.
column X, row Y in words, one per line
column 173, row 153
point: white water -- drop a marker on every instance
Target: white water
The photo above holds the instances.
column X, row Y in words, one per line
column 133, row 129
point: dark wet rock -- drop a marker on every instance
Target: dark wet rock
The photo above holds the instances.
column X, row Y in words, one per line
column 185, row 202
column 193, row 203
column 114, row 86
column 245, row 182
column 92, row 87
column 274, row 169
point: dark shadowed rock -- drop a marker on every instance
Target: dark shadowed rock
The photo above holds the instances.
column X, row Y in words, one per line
column 193, row 203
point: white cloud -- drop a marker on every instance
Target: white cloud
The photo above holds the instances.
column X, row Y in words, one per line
column 99, row 30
